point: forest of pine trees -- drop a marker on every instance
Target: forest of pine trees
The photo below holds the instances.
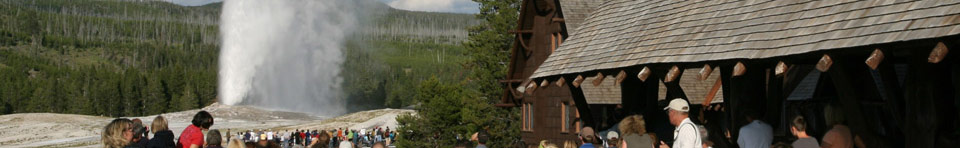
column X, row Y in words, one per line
column 132, row 58
column 109, row 58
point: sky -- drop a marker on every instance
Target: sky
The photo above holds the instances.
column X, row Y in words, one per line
column 455, row 6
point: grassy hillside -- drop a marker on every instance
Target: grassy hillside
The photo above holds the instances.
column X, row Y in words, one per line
column 130, row 58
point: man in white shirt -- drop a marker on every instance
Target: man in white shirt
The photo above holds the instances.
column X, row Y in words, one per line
column 270, row 135
column 686, row 134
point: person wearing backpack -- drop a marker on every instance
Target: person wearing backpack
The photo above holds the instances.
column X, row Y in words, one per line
column 686, row 134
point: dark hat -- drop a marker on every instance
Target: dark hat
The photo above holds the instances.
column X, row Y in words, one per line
column 139, row 130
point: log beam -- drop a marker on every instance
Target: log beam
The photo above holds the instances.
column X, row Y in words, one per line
column 938, row 53
column 560, row 82
column 622, row 75
column 577, row 81
column 781, row 68
column 531, row 87
column 739, row 69
column 852, row 83
column 713, row 92
column 875, row 58
column 520, row 31
column 824, row 64
column 557, row 19
column 598, row 79
column 672, row 74
column 705, row 72
column 644, row 74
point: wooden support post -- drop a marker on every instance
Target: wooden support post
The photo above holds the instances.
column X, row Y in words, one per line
column 631, row 94
column 726, row 73
column 924, row 88
column 656, row 117
column 581, row 102
column 851, row 83
column 894, row 99
column 775, row 100
column 746, row 92
column 955, row 70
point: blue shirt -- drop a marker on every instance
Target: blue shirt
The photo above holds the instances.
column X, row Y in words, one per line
column 755, row 135
column 587, row 145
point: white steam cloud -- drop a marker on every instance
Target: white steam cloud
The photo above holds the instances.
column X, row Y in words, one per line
column 284, row 54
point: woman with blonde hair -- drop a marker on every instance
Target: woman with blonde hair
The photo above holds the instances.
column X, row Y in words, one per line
column 570, row 144
column 162, row 136
column 118, row 133
column 236, row 143
column 634, row 133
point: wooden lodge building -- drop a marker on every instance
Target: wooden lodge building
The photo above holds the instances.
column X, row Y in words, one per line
column 886, row 66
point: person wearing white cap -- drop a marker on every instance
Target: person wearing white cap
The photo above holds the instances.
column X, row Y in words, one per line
column 613, row 139
column 686, row 134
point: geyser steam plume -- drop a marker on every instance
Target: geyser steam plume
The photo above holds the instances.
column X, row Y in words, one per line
column 284, row 54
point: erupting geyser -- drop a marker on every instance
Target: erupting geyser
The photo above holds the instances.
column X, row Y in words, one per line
column 284, row 54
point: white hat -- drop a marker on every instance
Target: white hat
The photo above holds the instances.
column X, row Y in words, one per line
column 678, row 105
column 612, row 134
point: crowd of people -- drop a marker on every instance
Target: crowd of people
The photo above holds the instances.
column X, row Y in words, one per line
column 631, row 133
column 320, row 138
column 127, row 133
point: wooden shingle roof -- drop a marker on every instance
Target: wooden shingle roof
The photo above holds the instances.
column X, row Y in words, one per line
column 622, row 33
column 575, row 11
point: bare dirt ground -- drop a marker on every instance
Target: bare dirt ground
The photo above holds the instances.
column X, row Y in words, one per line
column 68, row 130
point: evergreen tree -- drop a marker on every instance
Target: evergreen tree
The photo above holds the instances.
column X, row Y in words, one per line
column 452, row 110
column 187, row 100
column 489, row 45
column 40, row 100
column 157, row 102
column 438, row 113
